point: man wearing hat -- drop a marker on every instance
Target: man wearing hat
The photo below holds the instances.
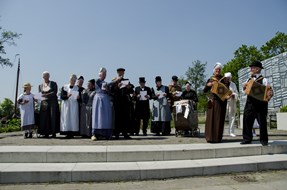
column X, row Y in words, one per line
column 175, row 91
column 142, row 95
column 231, row 104
column 161, row 115
column 121, row 90
column 255, row 109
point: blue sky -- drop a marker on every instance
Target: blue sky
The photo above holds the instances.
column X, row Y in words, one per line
column 147, row 37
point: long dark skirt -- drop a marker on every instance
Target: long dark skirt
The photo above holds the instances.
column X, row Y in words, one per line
column 214, row 125
column 49, row 118
column 86, row 121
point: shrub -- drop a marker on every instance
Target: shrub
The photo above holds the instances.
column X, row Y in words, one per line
column 283, row 108
column 11, row 126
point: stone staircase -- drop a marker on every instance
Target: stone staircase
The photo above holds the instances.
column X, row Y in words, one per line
column 36, row 164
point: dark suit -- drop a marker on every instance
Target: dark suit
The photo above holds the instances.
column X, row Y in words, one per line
column 142, row 110
column 122, row 105
column 255, row 109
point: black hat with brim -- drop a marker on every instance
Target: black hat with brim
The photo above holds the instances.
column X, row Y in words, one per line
column 142, row 79
column 92, row 81
column 174, row 78
column 120, row 69
column 81, row 78
column 256, row 64
column 157, row 78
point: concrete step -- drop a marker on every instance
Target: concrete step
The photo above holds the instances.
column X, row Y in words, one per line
column 118, row 171
column 134, row 153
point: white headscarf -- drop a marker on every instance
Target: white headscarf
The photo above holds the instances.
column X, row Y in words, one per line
column 216, row 66
column 73, row 77
column 45, row 73
column 228, row 75
column 102, row 70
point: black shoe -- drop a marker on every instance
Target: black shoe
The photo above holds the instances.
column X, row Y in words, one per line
column 264, row 143
column 69, row 137
column 144, row 134
column 127, row 137
column 117, row 137
column 245, row 142
column 54, row 136
column 157, row 134
column 25, row 135
column 30, row 135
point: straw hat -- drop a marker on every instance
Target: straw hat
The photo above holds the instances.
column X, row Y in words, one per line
column 27, row 85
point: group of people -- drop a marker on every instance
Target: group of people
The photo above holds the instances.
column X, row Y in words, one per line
column 103, row 109
column 110, row 109
column 255, row 110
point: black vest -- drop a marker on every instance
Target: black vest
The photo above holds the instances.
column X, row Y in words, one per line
column 257, row 105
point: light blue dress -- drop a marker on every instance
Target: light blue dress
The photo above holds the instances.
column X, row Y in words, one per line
column 102, row 119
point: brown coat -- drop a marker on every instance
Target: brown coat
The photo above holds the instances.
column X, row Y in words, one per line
column 173, row 97
column 215, row 117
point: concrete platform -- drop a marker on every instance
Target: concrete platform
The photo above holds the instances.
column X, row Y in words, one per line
column 134, row 153
column 118, row 171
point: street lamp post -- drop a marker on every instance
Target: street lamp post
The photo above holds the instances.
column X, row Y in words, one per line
column 17, row 83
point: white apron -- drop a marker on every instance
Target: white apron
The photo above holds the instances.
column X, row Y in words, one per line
column 70, row 111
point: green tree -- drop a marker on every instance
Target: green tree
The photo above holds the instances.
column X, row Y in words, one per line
column 6, row 108
column 202, row 101
column 7, row 37
column 243, row 57
column 275, row 46
column 181, row 81
column 196, row 74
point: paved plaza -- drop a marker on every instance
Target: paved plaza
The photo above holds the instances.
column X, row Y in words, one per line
column 15, row 138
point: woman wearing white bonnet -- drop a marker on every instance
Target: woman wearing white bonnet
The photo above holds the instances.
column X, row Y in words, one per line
column 73, row 77
column 102, row 119
column 69, row 124
column 217, row 66
column 102, row 70
column 231, row 104
column 215, row 117
column 45, row 73
column 48, row 119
